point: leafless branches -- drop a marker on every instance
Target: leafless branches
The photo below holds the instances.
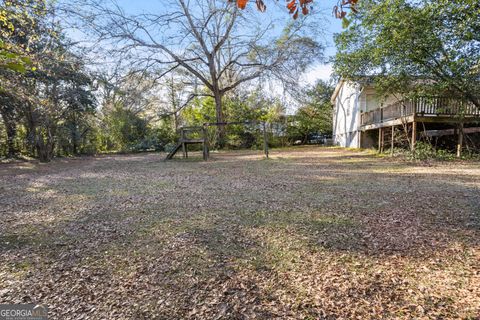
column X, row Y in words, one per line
column 208, row 40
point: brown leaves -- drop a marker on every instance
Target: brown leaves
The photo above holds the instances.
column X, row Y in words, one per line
column 339, row 10
column 261, row 6
column 242, row 4
column 314, row 233
column 293, row 6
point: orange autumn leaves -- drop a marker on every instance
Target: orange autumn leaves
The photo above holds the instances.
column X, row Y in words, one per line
column 295, row 6
column 242, row 4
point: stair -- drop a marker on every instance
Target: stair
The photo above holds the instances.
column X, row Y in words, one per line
column 174, row 150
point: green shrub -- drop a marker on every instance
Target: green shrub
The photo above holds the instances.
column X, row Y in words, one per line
column 425, row 151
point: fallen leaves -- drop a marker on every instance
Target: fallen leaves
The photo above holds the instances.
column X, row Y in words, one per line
column 311, row 233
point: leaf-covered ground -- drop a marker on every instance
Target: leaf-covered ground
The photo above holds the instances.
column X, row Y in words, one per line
column 312, row 233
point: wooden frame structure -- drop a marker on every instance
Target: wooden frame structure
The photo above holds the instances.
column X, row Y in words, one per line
column 408, row 113
column 186, row 139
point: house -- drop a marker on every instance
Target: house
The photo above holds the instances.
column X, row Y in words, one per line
column 362, row 119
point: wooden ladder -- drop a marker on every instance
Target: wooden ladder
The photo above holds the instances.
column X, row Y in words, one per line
column 386, row 134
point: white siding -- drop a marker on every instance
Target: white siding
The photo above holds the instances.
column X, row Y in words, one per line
column 351, row 99
column 346, row 120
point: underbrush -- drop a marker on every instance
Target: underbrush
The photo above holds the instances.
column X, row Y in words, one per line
column 425, row 151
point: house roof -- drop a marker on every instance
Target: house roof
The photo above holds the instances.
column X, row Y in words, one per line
column 365, row 80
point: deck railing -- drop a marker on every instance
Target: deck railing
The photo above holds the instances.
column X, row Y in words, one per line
column 425, row 107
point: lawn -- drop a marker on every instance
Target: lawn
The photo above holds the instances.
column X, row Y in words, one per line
column 312, row 233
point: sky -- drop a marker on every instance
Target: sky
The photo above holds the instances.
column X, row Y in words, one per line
column 332, row 25
column 329, row 26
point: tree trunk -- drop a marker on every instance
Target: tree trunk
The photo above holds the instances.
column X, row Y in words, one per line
column 414, row 137
column 305, row 138
column 175, row 119
column 75, row 147
column 460, row 140
column 11, row 128
column 220, row 120
column 45, row 145
column 44, row 149
column 75, row 135
column 76, row 138
column 31, row 127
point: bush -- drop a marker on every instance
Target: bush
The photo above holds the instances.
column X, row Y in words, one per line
column 425, row 151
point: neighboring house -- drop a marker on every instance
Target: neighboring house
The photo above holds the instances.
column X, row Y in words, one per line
column 361, row 119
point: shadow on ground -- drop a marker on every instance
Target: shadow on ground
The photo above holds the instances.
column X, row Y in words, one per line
column 310, row 233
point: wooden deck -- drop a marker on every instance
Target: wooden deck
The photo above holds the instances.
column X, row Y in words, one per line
column 432, row 109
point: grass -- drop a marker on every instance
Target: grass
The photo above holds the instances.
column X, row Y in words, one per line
column 314, row 233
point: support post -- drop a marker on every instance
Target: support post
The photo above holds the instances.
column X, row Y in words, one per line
column 182, row 141
column 205, row 144
column 460, row 140
column 379, row 140
column 383, row 140
column 414, row 136
column 185, row 150
column 265, row 139
column 392, row 142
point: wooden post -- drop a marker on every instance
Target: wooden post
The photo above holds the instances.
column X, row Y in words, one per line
column 383, row 140
column 184, row 146
column 205, row 144
column 414, row 135
column 380, row 140
column 392, row 142
column 265, row 139
column 460, row 140
column 185, row 150
column 205, row 152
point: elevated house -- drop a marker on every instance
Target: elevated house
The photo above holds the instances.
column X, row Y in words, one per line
column 362, row 119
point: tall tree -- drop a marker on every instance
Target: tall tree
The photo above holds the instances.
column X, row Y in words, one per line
column 54, row 91
column 79, row 102
column 21, row 28
column 315, row 114
column 211, row 40
column 60, row 92
column 401, row 40
column 16, row 17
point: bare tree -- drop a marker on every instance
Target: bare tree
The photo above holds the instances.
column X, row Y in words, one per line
column 177, row 96
column 211, row 40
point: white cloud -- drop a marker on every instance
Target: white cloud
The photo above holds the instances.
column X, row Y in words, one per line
column 320, row 71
